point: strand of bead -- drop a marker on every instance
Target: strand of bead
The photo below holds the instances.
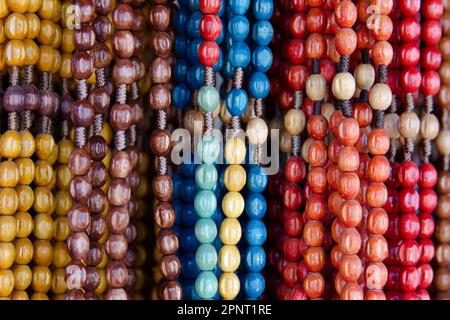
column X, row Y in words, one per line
column 441, row 281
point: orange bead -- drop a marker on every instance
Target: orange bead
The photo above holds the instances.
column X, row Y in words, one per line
column 352, row 291
column 316, row 46
column 348, row 159
column 314, row 285
column 316, row 207
column 378, row 169
column 382, row 53
column 335, row 120
column 333, row 174
column 345, row 14
column 317, row 153
column 362, row 112
column 317, row 127
column 317, row 179
column 350, row 241
column 378, row 142
column 365, row 38
column 350, row 213
column 348, row 185
column 377, row 221
column 346, row 41
column 334, row 202
column 348, row 131
column 376, row 248
column 334, row 148
column 361, row 144
column 350, row 267
column 314, row 258
column 376, row 194
column 313, row 233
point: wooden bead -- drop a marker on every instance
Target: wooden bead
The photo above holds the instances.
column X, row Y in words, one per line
column 409, row 124
column 364, row 76
column 316, row 87
column 235, row 151
column 343, row 86
column 257, row 131
column 443, row 142
column 295, row 121
column 380, row 97
column 391, row 125
column 429, row 126
column 382, row 53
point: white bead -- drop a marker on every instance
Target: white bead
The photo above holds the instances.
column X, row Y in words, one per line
column 316, row 87
column 343, row 86
column 380, row 97
column 364, row 76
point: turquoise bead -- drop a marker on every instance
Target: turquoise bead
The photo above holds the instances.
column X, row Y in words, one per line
column 206, row 176
column 205, row 203
column 205, row 230
column 206, row 285
column 208, row 98
column 206, row 257
column 208, row 149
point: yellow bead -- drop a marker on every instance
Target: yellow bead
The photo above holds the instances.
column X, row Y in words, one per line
column 2, row 32
column 230, row 231
column 15, row 53
column 63, row 177
column 233, row 204
column 9, row 201
column 105, row 260
column 107, row 132
column 26, row 170
column 33, row 5
column 10, row 144
column 9, row 174
column 235, row 151
column 92, row 78
column 31, row 52
column 43, row 252
column 43, row 226
column 57, row 12
column 65, row 147
column 229, row 258
column 28, row 144
column 43, row 200
column 67, row 15
column 46, row 56
column 67, row 45
column 24, row 224
column 25, row 197
column 61, row 257
column 45, row 145
column 4, row 9
column 16, row 26
column 65, row 71
column 107, row 159
column 61, row 229
column 8, row 228
column 53, row 156
column 58, row 281
column 22, row 277
column 2, row 58
column 56, row 43
column 34, row 25
column 47, row 9
column 6, row 282
column 47, row 32
column 19, row 295
column 44, row 173
column 229, row 285
column 24, row 251
column 18, row 5
column 39, row 296
column 235, row 177
column 7, row 255
column 63, row 202
column 103, row 284
column 42, row 279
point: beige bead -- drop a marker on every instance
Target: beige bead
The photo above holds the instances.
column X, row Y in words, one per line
column 380, row 96
column 285, row 142
column 294, row 121
column 443, row 142
column 343, row 86
column 429, row 126
column 193, row 121
column 327, row 110
column 316, row 87
column 225, row 116
column 305, row 149
column 364, row 76
column 409, row 124
column 391, row 125
column 257, row 131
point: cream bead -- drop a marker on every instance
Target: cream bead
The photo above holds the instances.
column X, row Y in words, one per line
column 380, row 97
column 257, row 131
column 229, row 258
column 235, row 151
column 364, row 76
column 235, row 177
column 229, row 285
column 327, row 110
column 343, row 86
column 233, row 204
column 230, row 231
column 391, row 125
column 294, row 121
column 409, row 124
column 429, row 126
column 316, row 87
column 443, row 142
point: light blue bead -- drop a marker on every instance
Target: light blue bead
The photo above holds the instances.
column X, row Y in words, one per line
column 190, row 269
column 257, row 179
column 239, row 55
column 208, row 149
column 238, row 27
column 259, row 85
column 262, row 9
column 181, row 96
column 192, row 51
column 180, row 70
column 188, row 190
column 262, row 32
column 262, row 58
column 255, row 205
column 188, row 169
column 180, row 19
column 255, row 258
column 255, row 232
column 206, row 176
column 237, row 101
column 208, row 98
column 194, row 5
column 206, row 285
column 239, row 6
column 254, row 285
column 205, row 230
column 188, row 215
column 193, row 25
column 180, row 45
column 205, row 203
column 188, row 241
column 206, row 257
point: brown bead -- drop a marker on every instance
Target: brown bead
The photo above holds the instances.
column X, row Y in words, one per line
column 170, row 267
column 117, row 219
column 162, row 187
column 66, row 106
column 443, row 184
column 123, row 44
column 124, row 72
column 95, row 254
column 103, row 28
column 82, row 65
column 101, row 55
column 82, row 113
column 120, row 165
column 80, row 189
column 116, row 274
column 131, row 232
column 84, row 37
column 170, row 290
column 120, row 117
column 97, row 201
column 13, row 99
column 119, row 193
column 138, row 21
column 97, row 147
column 116, row 246
column 75, row 294
column 135, row 155
column 159, row 18
column 167, row 242
column 79, row 162
column 75, row 275
column 93, row 278
column 116, row 294
column 159, row 97
column 160, row 142
column 78, row 217
column 97, row 228
column 160, row 71
column 32, row 97
column 49, row 103
column 78, row 245
column 104, row 7
column 86, row 10
column 161, row 44
column 164, row 215
column 123, row 17
column 133, row 181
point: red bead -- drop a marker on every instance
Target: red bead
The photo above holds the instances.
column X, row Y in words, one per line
column 392, row 181
column 316, row 46
column 409, row 296
column 286, row 98
column 316, row 20
column 408, row 174
column 428, row 176
column 333, row 175
column 391, row 205
column 296, row 77
column 431, row 32
column 408, row 200
column 409, row 226
column 432, row 9
column 410, row 29
column 431, row 83
column 409, row 279
column 297, row 26
column 299, row 5
column 295, row 169
column 210, row 27
column 302, row 270
column 345, row 14
column 426, row 250
column 291, row 250
column 334, row 148
column 409, row 54
column 409, row 253
column 290, row 274
column 317, row 179
column 411, row 79
column 426, row 275
column 297, row 293
column 296, row 51
column 208, row 53
column 362, row 112
column 393, row 282
column 348, row 185
column 292, row 197
column 423, row 294
column 316, row 207
column 348, row 131
column 209, row 6
column 392, row 232
column 431, row 58
column 428, row 200
column 409, row 8
column 317, row 153
column 292, row 223
column 327, row 70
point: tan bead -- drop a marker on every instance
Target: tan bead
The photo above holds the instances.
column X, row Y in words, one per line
column 294, row 121
column 409, row 124
column 343, row 86
column 225, row 116
column 285, row 141
column 429, row 126
column 257, row 131
column 193, row 121
column 327, row 110
column 316, row 87
column 380, row 96
column 443, row 142
column 364, row 76
column 391, row 125
column 305, row 148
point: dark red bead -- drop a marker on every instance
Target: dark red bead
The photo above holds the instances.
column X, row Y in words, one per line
column 409, row 226
column 291, row 249
column 295, row 169
column 431, row 58
column 408, row 200
column 297, row 26
column 427, row 225
column 409, row 7
column 292, row 197
column 409, row 54
column 208, row 53
column 428, row 176
column 432, row 9
column 431, row 32
column 296, row 51
column 408, row 174
column 426, row 275
column 426, row 250
column 410, row 29
column 210, row 27
column 411, row 79
column 428, row 200
column 409, row 279
column 431, row 83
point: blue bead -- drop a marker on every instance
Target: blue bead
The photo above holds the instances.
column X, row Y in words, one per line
column 195, row 77
column 181, row 96
column 206, row 285
column 205, row 230
column 217, row 217
column 180, row 70
column 255, row 232
column 177, row 181
column 254, row 285
column 189, row 269
column 228, row 42
column 188, row 241
column 177, row 206
column 188, row 289
column 221, row 38
column 238, row 27
column 227, row 69
column 219, row 62
column 180, row 19
column 192, row 51
column 255, row 258
column 188, row 215
column 262, row 32
column 206, row 257
column 193, row 25
column 257, row 179
column 262, row 9
column 255, row 205
column 177, row 230
column 239, row 6
column 262, row 58
column 194, row 5
column 217, row 271
column 222, row 8
column 259, row 85
column 188, row 169
column 239, row 55
column 237, row 100
column 180, row 45
column 188, row 190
